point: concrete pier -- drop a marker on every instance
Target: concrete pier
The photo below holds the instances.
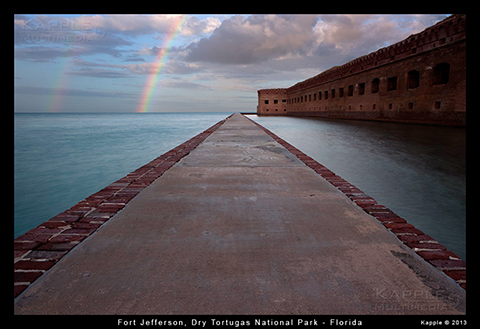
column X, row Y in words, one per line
column 241, row 226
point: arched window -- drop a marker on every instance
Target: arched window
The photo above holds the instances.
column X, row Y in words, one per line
column 413, row 79
column 441, row 73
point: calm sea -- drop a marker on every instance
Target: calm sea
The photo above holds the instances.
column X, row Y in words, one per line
column 417, row 171
column 60, row 159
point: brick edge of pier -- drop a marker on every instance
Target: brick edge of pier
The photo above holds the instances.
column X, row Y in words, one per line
column 424, row 245
column 39, row 249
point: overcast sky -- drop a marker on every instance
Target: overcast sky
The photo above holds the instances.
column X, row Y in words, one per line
column 101, row 63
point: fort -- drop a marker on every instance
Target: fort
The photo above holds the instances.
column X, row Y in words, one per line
column 421, row 79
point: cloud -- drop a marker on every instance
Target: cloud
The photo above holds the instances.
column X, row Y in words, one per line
column 196, row 26
column 184, row 85
column 107, row 70
column 340, row 38
column 254, row 39
column 71, row 92
column 99, row 73
column 132, row 25
column 153, row 51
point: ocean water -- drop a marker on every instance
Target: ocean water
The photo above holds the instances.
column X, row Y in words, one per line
column 417, row 171
column 60, row 159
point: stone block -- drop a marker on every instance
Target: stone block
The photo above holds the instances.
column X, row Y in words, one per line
column 96, row 219
column 25, row 245
column 456, row 274
column 86, row 225
column 55, row 246
column 64, row 238
column 406, row 230
column 79, row 231
column 19, row 276
column 392, row 219
column 39, row 238
column 18, row 254
column 18, row 289
column 426, row 245
column 46, row 254
column 452, row 264
column 396, row 225
column 416, row 238
column 65, row 217
column 437, row 254
column 32, row 265
column 54, row 224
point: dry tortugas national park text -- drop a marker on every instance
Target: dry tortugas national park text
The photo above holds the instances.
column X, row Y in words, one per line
column 421, row 79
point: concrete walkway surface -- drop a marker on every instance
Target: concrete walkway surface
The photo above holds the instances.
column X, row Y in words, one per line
column 241, row 226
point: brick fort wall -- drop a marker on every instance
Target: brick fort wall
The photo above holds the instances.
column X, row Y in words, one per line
column 421, row 79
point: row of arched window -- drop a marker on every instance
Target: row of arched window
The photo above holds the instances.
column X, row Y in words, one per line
column 441, row 73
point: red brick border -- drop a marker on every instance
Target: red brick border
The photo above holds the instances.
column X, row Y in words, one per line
column 424, row 245
column 39, row 249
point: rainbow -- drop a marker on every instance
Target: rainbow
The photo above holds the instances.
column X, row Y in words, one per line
column 162, row 56
column 60, row 81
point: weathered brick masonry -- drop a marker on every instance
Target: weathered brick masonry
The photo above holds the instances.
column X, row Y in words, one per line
column 421, row 79
column 424, row 245
column 42, row 247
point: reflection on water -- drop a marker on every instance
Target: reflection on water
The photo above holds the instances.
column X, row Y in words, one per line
column 417, row 171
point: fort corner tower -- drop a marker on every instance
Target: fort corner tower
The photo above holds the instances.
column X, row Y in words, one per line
column 272, row 101
column 421, row 79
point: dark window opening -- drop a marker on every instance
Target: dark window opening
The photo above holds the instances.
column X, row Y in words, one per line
column 375, row 85
column 340, row 92
column 266, row 101
column 350, row 90
column 333, row 93
column 275, row 101
column 326, row 94
column 441, row 73
column 392, row 84
column 361, row 88
column 410, row 105
column 413, row 79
